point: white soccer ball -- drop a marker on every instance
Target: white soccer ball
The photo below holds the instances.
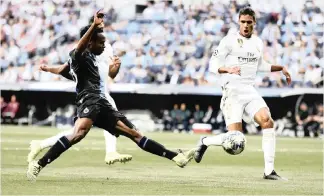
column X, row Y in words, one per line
column 234, row 142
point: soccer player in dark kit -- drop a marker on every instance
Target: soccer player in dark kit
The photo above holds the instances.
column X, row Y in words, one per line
column 94, row 109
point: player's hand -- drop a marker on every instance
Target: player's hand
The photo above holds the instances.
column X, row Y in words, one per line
column 115, row 62
column 98, row 18
column 43, row 68
column 114, row 65
column 234, row 70
column 287, row 74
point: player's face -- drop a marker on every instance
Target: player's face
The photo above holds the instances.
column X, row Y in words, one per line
column 246, row 25
column 98, row 45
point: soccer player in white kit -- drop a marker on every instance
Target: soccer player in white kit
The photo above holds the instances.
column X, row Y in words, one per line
column 108, row 67
column 237, row 60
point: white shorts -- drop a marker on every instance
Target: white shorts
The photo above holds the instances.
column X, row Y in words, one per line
column 241, row 102
column 111, row 101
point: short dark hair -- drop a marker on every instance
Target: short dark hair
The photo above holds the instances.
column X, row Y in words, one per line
column 247, row 11
column 95, row 33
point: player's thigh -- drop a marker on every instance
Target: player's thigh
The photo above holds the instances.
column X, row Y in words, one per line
column 107, row 120
column 126, row 128
column 233, row 111
column 257, row 109
column 115, row 123
column 88, row 109
column 83, row 123
column 81, row 128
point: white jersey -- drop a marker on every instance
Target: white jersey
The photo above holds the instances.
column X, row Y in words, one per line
column 236, row 50
column 103, row 62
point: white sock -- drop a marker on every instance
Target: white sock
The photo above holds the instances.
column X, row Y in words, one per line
column 216, row 140
column 269, row 149
column 49, row 142
column 111, row 142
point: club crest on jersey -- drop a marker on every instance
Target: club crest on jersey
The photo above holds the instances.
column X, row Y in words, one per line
column 240, row 42
column 215, row 53
column 86, row 110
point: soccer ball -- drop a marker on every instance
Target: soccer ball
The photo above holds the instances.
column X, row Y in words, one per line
column 234, row 142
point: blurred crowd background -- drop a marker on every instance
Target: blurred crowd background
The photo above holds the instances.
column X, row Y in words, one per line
column 165, row 42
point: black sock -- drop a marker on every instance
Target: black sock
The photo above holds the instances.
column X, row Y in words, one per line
column 55, row 151
column 155, row 148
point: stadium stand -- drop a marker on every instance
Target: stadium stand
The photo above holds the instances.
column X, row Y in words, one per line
column 164, row 43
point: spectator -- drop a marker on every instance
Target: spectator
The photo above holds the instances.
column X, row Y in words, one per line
column 10, row 75
column 304, row 118
column 197, row 115
column 184, row 116
column 12, row 108
column 318, row 120
column 266, row 82
column 175, row 115
column 172, row 35
column 209, row 118
column 3, row 104
column 167, row 120
column 149, row 11
column 139, row 75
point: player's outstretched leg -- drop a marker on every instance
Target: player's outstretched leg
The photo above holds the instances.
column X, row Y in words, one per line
column 153, row 147
column 82, row 127
column 112, row 156
column 263, row 118
column 204, row 142
column 36, row 146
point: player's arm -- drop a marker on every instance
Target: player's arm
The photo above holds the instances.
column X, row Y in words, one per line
column 267, row 67
column 114, row 66
column 217, row 61
column 63, row 70
column 84, row 41
column 275, row 68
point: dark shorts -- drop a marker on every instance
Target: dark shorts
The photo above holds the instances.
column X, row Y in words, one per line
column 101, row 112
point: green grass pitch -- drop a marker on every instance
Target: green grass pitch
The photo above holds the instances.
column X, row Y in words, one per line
column 82, row 170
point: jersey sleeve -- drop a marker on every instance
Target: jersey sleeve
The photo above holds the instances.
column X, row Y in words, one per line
column 75, row 56
column 263, row 66
column 218, row 57
column 66, row 72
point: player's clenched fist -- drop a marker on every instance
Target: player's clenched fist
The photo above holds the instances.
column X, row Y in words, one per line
column 114, row 66
column 98, row 18
column 115, row 62
column 287, row 74
column 43, row 68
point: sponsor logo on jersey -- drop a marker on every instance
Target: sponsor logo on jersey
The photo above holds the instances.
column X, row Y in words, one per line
column 215, row 53
column 247, row 60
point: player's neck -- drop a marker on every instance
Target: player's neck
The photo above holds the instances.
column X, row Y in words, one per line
column 88, row 50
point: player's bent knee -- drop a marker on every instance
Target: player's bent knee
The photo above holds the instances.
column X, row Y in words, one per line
column 266, row 121
column 269, row 123
column 263, row 117
column 138, row 135
column 78, row 135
